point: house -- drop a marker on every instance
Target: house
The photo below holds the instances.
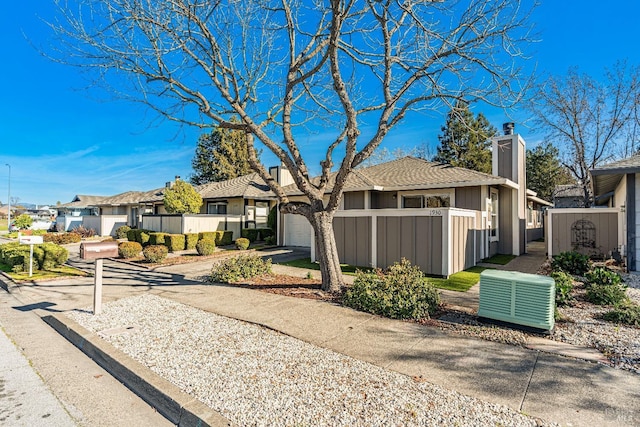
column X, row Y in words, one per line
column 242, row 202
column 440, row 217
column 568, row 196
column 617, row 186
column 70, row 215
column 535, row 216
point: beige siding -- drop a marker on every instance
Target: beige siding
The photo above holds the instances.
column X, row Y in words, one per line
column 505, row 162
column 353, row 239
column 469, row 198
column 419, row 239
column 601, row 227
column 506, row 217
column 462, row 242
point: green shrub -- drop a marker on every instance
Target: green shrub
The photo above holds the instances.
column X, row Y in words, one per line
column 225, row 238
column 144, row 237
column 571, row 262
column 238, row 268
column 129, row 249
column 209, row 235
column 242, row 243
column 62, row 238
column 131, row 234
column 155, row 253
column 249, row 233
column 157, row 238
column 174, row 242
column 22, row 222
column 52, row 255
column 121, row 232
column 628, row 314
column 564, row 287
column 206, row 247
column 605, row 287
column 191, row 239
column 400, row 292
column 271, row 240
column 265, row 233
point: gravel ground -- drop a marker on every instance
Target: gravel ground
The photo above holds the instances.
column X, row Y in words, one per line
column 258, row 377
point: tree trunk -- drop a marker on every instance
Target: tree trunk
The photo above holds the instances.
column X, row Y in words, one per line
column 327, row 251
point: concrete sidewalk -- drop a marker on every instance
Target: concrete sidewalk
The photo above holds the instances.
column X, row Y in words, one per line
column 549, row 386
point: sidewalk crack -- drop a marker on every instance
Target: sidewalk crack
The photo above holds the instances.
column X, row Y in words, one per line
column 526, row 390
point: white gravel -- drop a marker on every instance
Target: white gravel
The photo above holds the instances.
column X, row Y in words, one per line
column 257, row 377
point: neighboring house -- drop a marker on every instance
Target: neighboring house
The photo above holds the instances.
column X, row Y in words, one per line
column 70, row 214
column 617, row 186
column 568, row 196
column 440, row 217
column 535, row 216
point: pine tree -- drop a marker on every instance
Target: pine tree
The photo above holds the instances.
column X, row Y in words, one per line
column 220, row 155
column 466, row 140
column 545, row 171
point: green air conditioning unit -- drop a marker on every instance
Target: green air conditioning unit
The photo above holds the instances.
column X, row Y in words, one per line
column 519, row 298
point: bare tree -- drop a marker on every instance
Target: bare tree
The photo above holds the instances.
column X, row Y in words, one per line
column 591, row 121
column 290, row 67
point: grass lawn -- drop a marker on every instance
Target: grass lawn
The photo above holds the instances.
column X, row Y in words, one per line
column 306, row 263
column 461, row 281
column 54, row 273
column 499, row 259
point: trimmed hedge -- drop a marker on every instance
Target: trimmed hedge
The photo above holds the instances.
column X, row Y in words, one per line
column 265, row 233
column 155, row 253
column 242, row 243
column 191, row 239
column 174, row 242
column 206, row 247
column 157, row 238
column 139, row 235
column 249, row 233
column 121, row 232
column 221, row 238
column 129, row 249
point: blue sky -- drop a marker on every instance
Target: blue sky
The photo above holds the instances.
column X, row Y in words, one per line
column 62, row 139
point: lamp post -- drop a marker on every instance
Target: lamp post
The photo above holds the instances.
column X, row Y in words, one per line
column 9, row 201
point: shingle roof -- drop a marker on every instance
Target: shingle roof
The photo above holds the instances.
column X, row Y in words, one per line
column 411, row 173
column 568, row 190
column 83, row 201
column 606, row 177
column 249, row 186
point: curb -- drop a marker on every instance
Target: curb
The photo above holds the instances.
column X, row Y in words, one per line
column 175, row 405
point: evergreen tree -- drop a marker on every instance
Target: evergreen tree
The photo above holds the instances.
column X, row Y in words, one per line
column 545, row 171
column 182, row 198
column 466, row 140
column 220, row 155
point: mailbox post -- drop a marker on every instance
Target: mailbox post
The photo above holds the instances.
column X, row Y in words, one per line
column 98, row 251
column 30, row 240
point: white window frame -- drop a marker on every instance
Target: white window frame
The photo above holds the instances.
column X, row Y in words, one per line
column 493, row 214
column 426, row 194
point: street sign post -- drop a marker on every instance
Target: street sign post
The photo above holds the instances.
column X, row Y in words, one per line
column 30, row 240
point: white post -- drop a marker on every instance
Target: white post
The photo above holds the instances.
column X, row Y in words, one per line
column 97, row 288
column 30, row 260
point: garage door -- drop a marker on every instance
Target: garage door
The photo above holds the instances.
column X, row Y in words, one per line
column 297, row 231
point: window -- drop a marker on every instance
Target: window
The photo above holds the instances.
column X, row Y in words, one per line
column 438, row 201
column 492, row 207
column 217, row 208
column 412, row 202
